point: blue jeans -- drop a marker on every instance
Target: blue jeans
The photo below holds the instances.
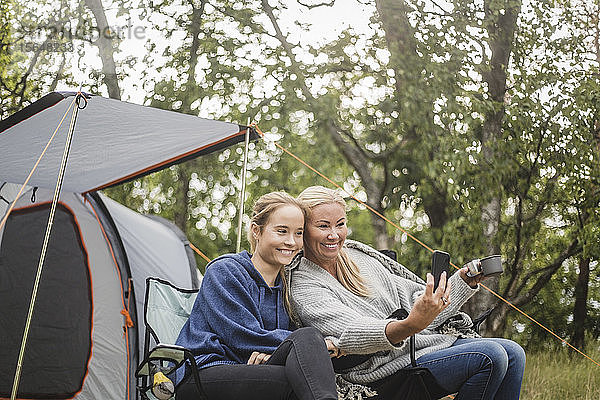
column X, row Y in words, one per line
column 478, row 369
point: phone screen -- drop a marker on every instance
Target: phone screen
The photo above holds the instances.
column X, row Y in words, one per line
column 440, row 262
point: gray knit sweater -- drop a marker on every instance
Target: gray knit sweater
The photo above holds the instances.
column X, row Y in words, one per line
column 356, row 324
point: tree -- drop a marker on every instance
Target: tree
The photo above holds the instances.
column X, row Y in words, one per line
column 589, row 194
column 468, row 123
column 472, row 132
column 105, row 45
column 33, row 45
column 204, row 70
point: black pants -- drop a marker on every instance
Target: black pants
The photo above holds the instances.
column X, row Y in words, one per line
column 299, row 369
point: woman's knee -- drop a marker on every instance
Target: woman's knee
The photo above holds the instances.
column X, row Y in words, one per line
column 485, row 354
column 516, row 354
column 496, row 354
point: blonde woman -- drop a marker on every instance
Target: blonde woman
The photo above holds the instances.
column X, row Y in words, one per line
column 347, row 291
column 239, row 330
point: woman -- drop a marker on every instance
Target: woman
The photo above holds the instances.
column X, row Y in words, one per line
column 346, row 290
column 239, row 330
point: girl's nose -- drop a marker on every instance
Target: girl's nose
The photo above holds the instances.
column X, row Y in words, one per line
column 289, row 239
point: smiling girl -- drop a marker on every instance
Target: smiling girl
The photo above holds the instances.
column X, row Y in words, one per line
column 239, row 330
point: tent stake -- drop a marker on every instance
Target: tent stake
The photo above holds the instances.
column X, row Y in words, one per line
column 61, row 174
column 243, row 192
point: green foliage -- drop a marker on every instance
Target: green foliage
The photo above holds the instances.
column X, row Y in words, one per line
column 5, row 36
column 425, row 101
column 35, row 51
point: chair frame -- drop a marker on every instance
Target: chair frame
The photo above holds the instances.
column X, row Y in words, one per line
column 423, row 373
column 163, row 352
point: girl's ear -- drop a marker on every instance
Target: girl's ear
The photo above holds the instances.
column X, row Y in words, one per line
column 255, row 229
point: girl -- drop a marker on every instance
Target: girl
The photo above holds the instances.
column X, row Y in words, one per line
column 239, row 330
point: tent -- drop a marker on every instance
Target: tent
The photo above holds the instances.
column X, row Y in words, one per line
column 87, row 328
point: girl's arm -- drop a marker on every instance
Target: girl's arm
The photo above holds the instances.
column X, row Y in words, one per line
column 226, row 303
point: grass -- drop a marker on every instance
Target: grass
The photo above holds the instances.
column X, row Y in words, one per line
column 561, row 374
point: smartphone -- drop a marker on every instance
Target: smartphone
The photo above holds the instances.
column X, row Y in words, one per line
column 440, row 262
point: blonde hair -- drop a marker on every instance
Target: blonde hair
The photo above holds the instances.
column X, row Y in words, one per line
column 266, row 205
column 347, row 271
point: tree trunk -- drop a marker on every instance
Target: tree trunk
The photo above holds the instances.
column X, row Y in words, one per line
column 182, row 199
column 105, row 49
column 180, row 212
column 580, row 308
column 400, row 39
column 382, row 239
column 484, row 300
column 500, row 22
column 408, row 65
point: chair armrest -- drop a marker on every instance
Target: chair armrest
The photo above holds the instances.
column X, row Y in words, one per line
column 479, row 320
column 177, row 355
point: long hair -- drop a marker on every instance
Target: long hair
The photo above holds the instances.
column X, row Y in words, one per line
column 266, row 205
column 347, row 271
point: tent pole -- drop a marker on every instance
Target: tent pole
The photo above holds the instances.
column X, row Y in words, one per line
column 59, row 182
column 243, row 191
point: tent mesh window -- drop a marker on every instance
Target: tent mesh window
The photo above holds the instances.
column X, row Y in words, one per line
column 59, row 342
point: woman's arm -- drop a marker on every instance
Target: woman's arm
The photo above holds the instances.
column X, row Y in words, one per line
column 351, row 331
column 460, row 292
column 424, row 310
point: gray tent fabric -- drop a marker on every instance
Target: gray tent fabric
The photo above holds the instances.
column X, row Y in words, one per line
column 153, row 249
column 190, row 253
column 114, row 141
column 106, row 374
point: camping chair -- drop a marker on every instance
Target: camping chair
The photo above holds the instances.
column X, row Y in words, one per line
column 418, row 383
column 166, row 309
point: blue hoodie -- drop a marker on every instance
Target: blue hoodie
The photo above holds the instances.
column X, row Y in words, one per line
column 235, row 313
